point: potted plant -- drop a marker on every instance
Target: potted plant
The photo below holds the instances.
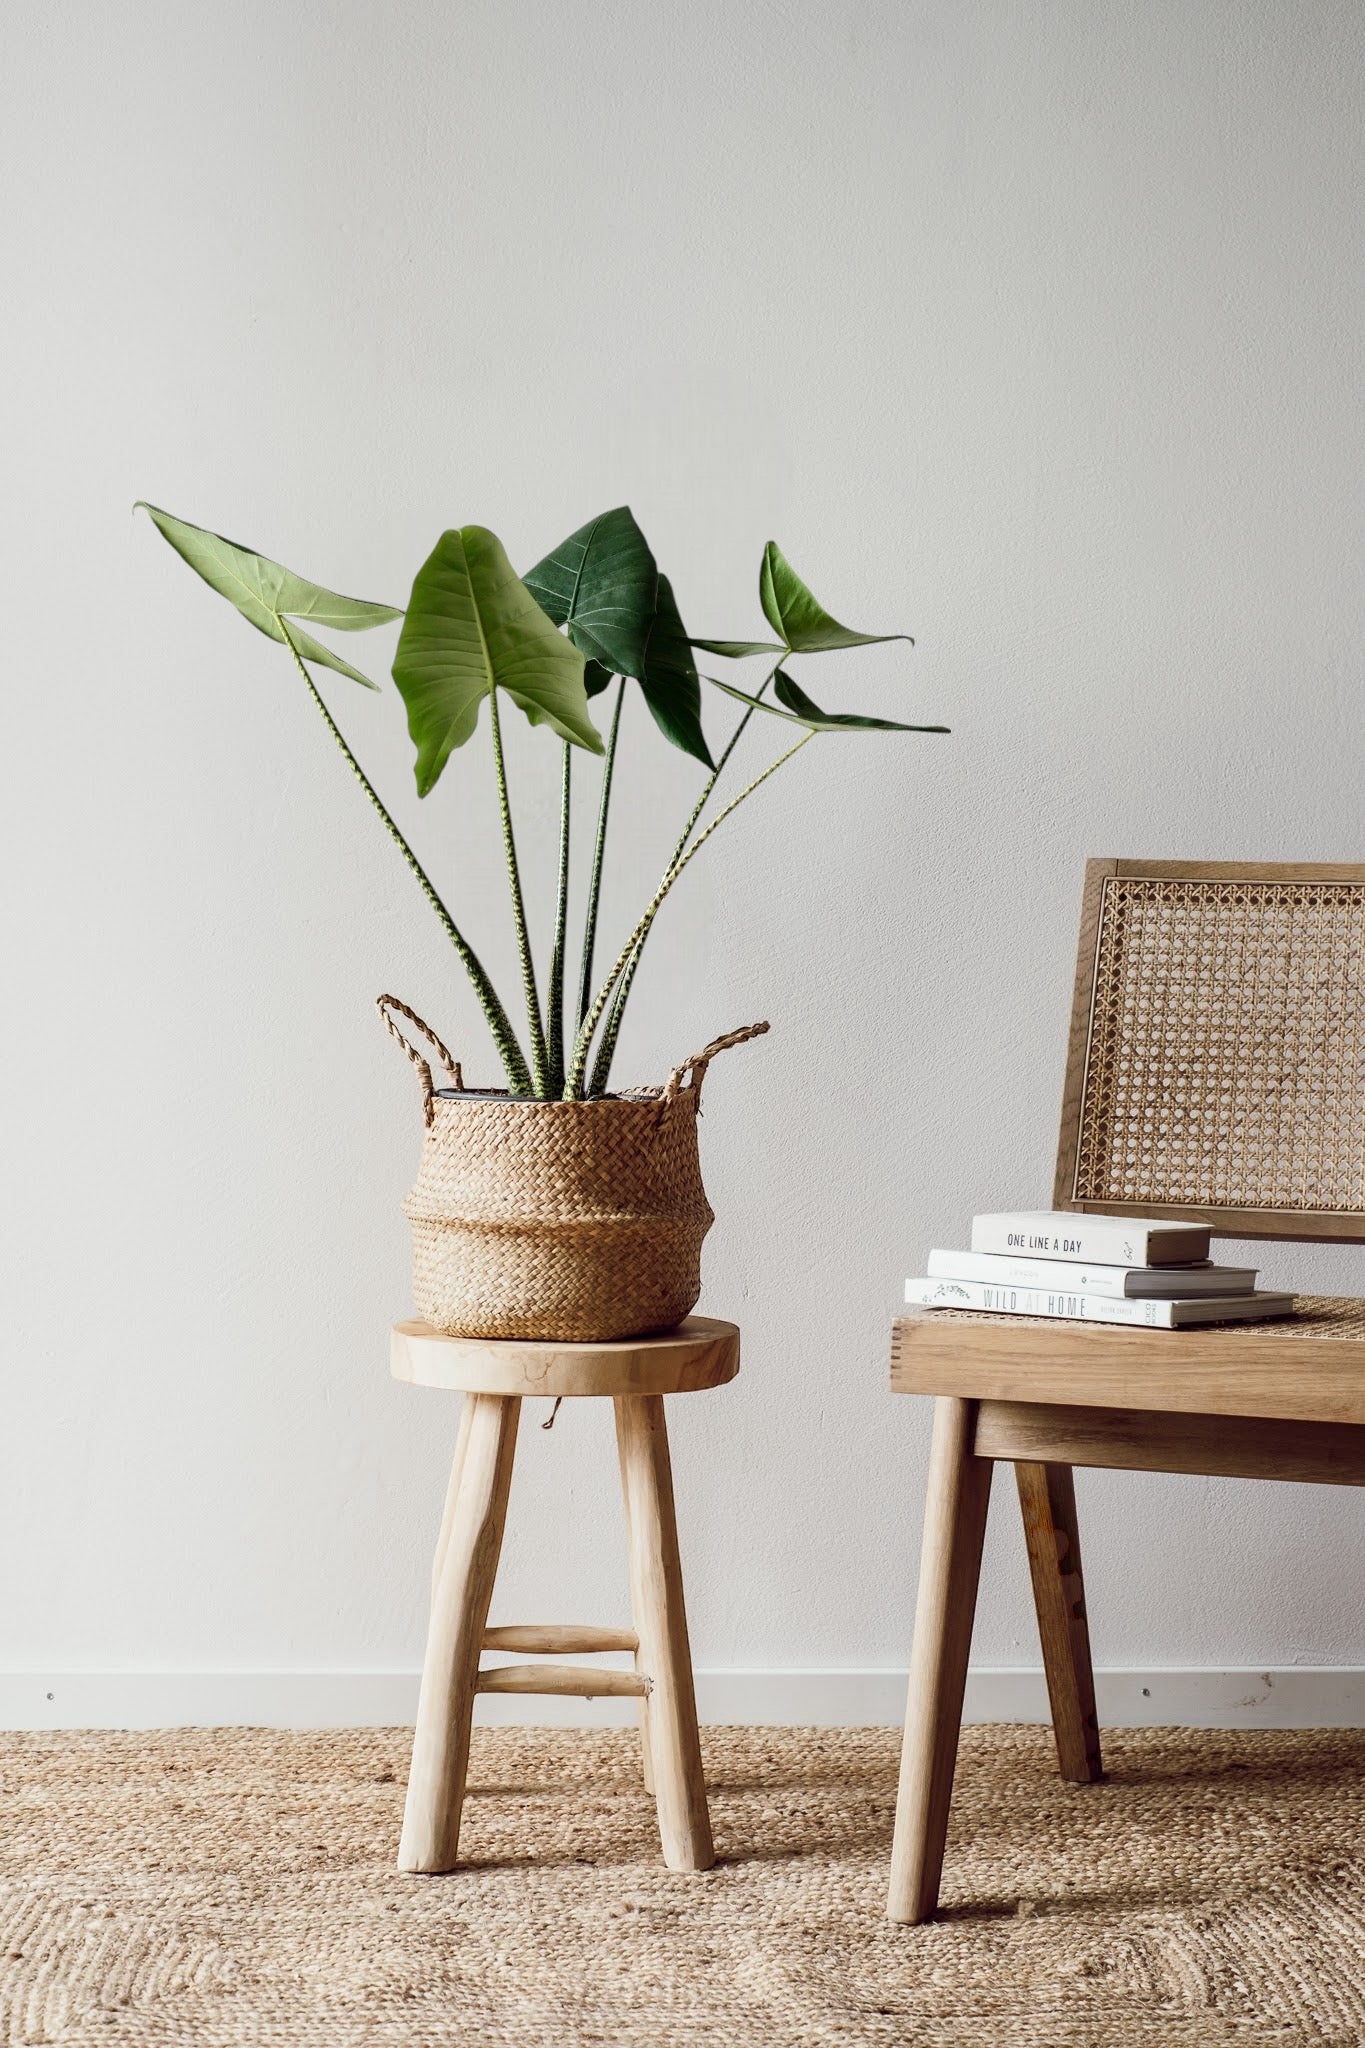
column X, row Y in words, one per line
column 552, row 1207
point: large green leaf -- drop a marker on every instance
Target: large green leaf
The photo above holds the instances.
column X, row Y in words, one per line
column 806, row 627
column 472, row 627
column 265, row 592
column 802, row 710
column 600, row 584
column 671, row 685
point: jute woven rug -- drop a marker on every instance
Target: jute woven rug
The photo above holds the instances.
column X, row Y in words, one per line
column 237, row 1888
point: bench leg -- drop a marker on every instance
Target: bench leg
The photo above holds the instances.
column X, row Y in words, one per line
column 672, row 1745
column 471, row 1538
column 1047, row 1499
column 950, row 1567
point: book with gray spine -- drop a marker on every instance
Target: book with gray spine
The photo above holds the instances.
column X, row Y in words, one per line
column 1116, row 1283
column 980, row 1297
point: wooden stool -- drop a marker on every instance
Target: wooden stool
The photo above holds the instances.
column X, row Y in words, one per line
column 494, row 1377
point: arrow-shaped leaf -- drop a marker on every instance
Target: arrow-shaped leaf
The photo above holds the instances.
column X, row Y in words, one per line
column 790, row 609
column 671, row 685
column 603, row 585
column 265, row 592
column 803, row 711
column 789, row 693
column 472, row 627
column 600, row 584
column 736, row 650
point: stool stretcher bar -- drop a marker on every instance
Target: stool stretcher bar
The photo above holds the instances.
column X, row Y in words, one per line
column 579, row 1681
column 570, row 1639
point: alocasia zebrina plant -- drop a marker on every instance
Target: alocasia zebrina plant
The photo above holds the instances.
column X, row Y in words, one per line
column 595, row 611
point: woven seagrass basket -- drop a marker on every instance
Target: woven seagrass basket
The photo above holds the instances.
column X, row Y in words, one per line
column 573, row 1221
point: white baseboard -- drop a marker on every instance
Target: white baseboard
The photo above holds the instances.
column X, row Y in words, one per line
column 1294, row 1697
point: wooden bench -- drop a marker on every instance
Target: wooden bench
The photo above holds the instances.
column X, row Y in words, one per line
column 1216, row 1073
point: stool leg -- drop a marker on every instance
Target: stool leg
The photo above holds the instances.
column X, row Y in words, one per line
column 459, row 1613
column 950, row 1567
column 1047, row 1500
column 642, row 1712
column 647, row 1762
column 656, row 1592
column 452, row 1492
column 646, row 1753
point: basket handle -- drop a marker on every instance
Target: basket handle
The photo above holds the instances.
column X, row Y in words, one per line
column 387, row 1006
column 700, row 1061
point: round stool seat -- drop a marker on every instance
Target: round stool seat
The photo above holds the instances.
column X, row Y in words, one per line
column 699, row 1353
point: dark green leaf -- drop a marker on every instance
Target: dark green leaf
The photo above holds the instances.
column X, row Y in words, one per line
column 805, row 625
column 603, row 585
column 473, row 626
column 671, row 686
column 789, row 693
column 264, row 592
column 802, row 711
column 600, row 583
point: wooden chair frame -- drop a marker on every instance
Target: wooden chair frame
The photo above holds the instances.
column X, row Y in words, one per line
column 1268, row 1401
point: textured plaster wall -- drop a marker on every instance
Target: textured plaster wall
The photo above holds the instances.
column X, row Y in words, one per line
column 1036, row 330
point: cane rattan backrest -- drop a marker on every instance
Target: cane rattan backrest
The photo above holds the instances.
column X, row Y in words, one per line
column 1217, row 1062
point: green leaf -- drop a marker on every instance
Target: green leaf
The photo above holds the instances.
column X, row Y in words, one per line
column 789, row 693
column 803, row 711
column 754, row 703
column 264, row 592
column 735, row 650
column 472, row 627
column 806, row 627
column 671, row 685
column 600, row 583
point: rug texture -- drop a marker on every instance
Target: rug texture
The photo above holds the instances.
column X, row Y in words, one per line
column 238, row 1888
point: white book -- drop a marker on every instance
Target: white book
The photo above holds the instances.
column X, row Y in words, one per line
column 1115, row 1283
column 1094, row 1308
column 1090, row 1240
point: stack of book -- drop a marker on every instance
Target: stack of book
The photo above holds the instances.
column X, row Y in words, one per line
column 1094, row 1269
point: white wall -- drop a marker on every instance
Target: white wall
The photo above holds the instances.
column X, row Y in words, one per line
column 1036, row 330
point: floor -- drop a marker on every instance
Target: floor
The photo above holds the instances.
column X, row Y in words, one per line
column 237, row 1887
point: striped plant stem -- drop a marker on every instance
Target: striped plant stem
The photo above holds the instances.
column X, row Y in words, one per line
column 606, row 1051
column 504, row 1037
column 540, row 1065
column 573, row 1086
column 554, row 994
column 599, row 853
